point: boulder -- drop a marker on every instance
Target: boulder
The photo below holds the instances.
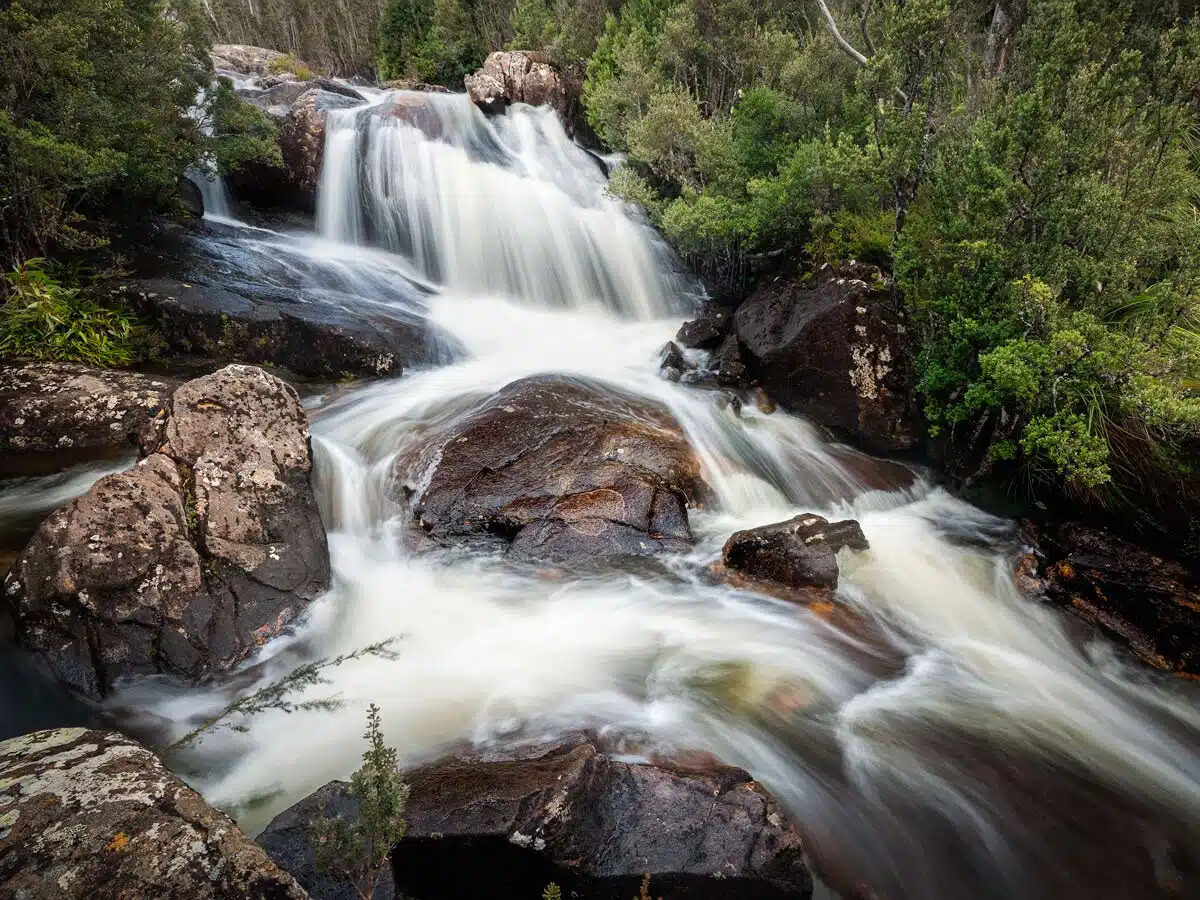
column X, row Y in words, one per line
column 708, row 330
column 556, row 469
column 244, row 59
column 593, row 824
column 302, row 137
column 796, row 558
column 519, row 76
column 836, row 351
column 189, row 561
column 315, row 339
column 48, row 407
column 90, row 815
column 1149, row 603
column 729, row 363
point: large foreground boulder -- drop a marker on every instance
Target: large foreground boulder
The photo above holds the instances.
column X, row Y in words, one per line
column 1149, row 603
column 190, row 560
column 90, row 815
column 570, row 814
column 797, row 558
column 836, row 351
column 48, row 407
column 519, row 76
column 557, row 469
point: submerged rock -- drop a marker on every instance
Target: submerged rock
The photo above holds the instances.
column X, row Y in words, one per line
column 190, row 560
column 570, row 814
column 557, row 469
column 518, row 76
column 64, row 406
column 1146, row 602
column 90, row 815
column 837, row 352
column 315, row 339
column 798, row 556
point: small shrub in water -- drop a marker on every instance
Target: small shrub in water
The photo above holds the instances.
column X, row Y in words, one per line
column 361, row 851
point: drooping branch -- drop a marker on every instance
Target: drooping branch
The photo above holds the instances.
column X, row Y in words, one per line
column 846, row 46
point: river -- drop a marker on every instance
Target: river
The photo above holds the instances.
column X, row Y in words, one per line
column 949, row 739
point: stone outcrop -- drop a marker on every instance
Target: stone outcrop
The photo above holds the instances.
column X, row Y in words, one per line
column 48, row 407
column 568, row 813
column 90, row 815
column 836, row 351
column 187, row 562
column 796, row 559
column 315, row 339
column 519, row 76
column 244, row 59
column 302, row 138
column 1148, row 603
column 556, row 469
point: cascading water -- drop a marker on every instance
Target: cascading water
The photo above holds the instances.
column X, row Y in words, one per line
column 960, row 742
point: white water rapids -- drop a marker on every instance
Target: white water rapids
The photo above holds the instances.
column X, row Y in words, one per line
column 961, row 741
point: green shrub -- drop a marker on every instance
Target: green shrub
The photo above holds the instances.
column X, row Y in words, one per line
column 289, row 65
column 242, row 134
column 41, row 319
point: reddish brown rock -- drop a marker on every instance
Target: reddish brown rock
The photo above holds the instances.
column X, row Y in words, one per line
column 797, row 558
column 518, row 76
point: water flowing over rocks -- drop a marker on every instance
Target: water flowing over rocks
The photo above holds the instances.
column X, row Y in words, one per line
column 567, row 812
column 836, row 351
column 1148, row 603
column 90, row 815
column 190, row 560
column 46, row 407
column 797, row 557
column 558, row 469
column 518, row 76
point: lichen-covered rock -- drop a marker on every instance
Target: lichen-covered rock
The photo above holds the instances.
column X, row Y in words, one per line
column 1147, row 602
column 190, row 560
column 64, row 406
column 797, row 558
column 518, row 76
column 838, row 352
column 568, row 813
column 558, row 469
column 90, row 815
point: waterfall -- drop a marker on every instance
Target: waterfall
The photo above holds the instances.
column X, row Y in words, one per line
column 966, row 743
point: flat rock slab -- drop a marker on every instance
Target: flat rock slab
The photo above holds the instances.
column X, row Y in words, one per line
column 570, row 814
column 90, row 815
column 46, row 407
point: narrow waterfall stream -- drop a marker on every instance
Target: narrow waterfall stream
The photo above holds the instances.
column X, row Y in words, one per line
column 962, row 741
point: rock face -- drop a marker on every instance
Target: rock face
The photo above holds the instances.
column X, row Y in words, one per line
column 320, row 340
column 244, row 59
column 837, row 352
column 559, row 470
column 90, row 815
column 59, row 406
column 1150, row 604
column 798, row 556
column 302, row 138
column 518, row 76
column 594, row 825
column 190, row 560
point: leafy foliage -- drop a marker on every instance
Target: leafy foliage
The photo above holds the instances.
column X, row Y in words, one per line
column 94, row 100
column 242, row 134
column 42, row 319
column 361, row 851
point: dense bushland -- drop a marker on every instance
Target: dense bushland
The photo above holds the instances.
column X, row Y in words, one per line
column 1028, row 171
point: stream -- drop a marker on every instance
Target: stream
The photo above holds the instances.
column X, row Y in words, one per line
column 950, row 739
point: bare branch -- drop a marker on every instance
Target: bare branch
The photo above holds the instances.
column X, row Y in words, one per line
column 847, row 47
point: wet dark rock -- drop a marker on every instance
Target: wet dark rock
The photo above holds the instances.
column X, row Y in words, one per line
column 673, row 363
column 708, row 330
column 557, row 469
column 1147, row 602
column 568, row 813
column 316, row 339
column 48, row 407
column 836, row 351
column 519, row 76
column 189, row 561
column 190, row 198
column 288, row 841
column 90, row 815
column 730, row 364
column 797, row 556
